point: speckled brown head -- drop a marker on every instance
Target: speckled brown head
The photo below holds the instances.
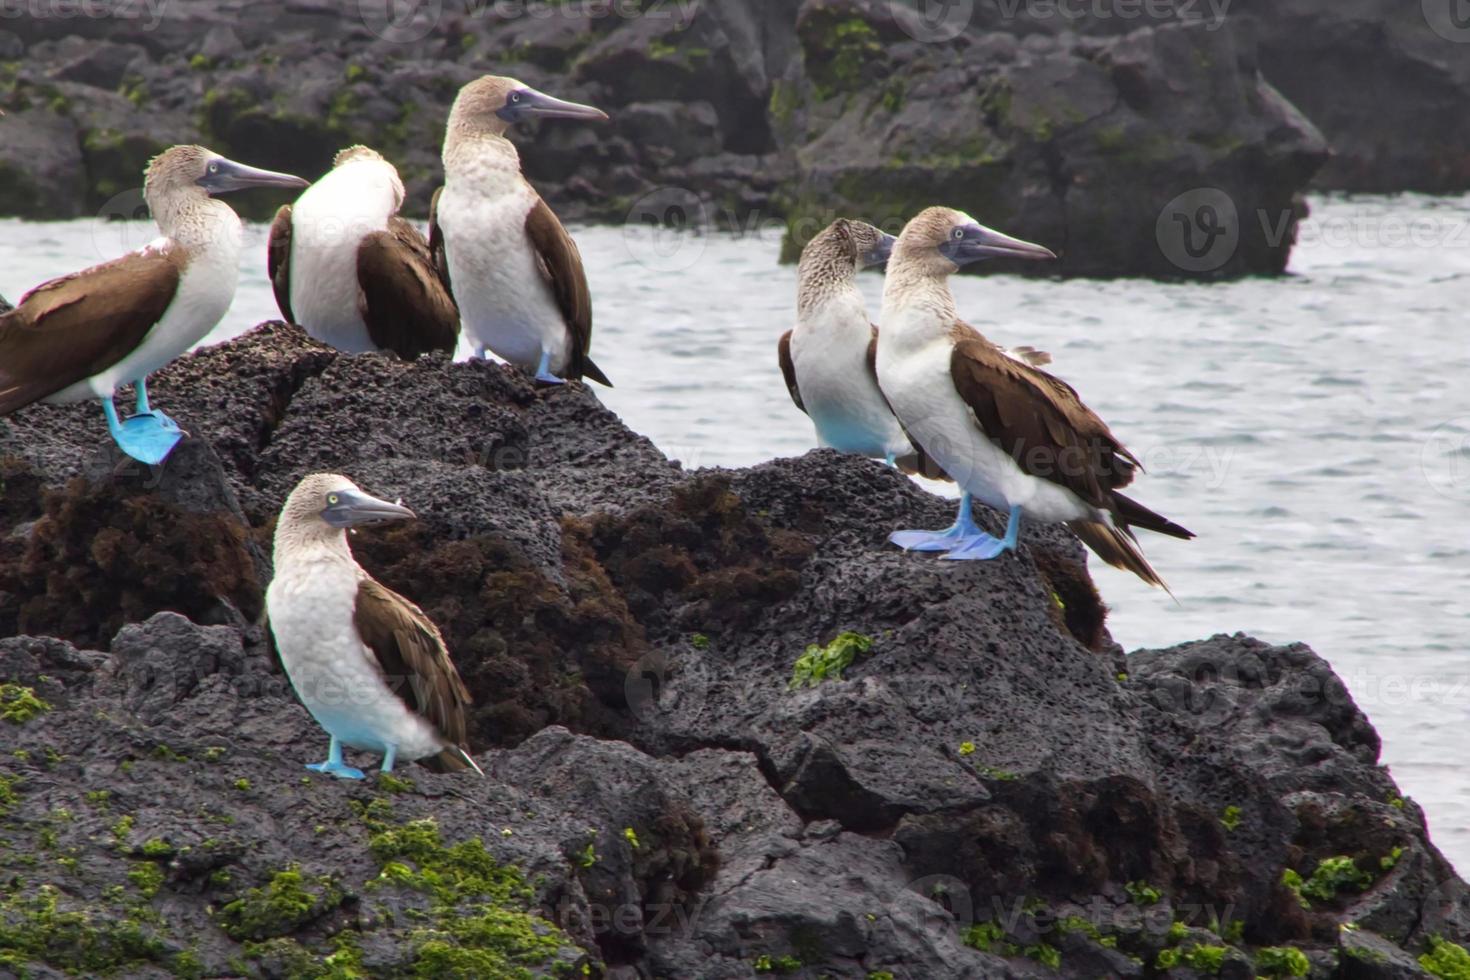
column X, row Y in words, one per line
column 842, row 248
column 939, row 240
column 323, row 505
column 385, row 171
column 196, row 171
column 494, row 103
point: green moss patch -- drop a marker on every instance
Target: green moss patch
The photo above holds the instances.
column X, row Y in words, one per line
column 1446, row 960
column 288, row 901
column 820, row 663
column 19, row 705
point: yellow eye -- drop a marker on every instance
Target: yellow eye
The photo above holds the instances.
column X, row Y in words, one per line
column 332, row 499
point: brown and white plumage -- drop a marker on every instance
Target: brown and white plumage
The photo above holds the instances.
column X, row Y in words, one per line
column 82, row 335
column 353, row 273
column 368, row 664
column 515, row 273
column 1013, row 435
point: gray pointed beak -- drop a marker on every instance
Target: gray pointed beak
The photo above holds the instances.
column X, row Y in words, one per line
column 527, row 103
column 227, row 175
column 979, row 242
column 881, row 251
column 354, row 508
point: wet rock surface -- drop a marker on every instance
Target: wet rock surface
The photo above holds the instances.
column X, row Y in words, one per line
column 990, row 789
column 1060, row 124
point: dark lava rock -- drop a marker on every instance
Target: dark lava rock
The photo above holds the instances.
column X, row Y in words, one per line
column 1088, row 133
column 1386, row 83
column 990, row 789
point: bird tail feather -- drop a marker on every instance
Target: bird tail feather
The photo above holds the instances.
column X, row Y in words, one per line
column 452, row 758
column 591, row 370
column 1133, row 514
column 1117, row 547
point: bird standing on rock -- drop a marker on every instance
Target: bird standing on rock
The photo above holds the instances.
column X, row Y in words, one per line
column 1012, row 435
column 353, row 273
column 368, row 664
column 82, row 336
column 826, row 358
column 511, row 266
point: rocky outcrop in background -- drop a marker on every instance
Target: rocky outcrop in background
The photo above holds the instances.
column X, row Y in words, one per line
column 990, row 788
column 1085, row 132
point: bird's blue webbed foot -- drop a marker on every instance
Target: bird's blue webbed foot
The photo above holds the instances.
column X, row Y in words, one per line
column 334, row 766
column 389, row 758
column 147, row 437
column 956, row 535
column 543, row 371
column 985, row 547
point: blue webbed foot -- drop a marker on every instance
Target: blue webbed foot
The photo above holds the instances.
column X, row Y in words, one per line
column 543, row 371
column 980, row 548
column 339, row 769
column 955, row 536
column 983, row 547
column 147, row 437
column 946, row 540
column 334, row 766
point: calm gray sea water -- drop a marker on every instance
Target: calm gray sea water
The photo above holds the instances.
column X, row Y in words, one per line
column 1314, row 430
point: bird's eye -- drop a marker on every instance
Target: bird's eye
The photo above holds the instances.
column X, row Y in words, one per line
column 515, row 96
column 332, row 499
column 959, row 233
column 214, row 168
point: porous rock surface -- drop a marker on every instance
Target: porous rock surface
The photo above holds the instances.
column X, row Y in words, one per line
column 992, row 790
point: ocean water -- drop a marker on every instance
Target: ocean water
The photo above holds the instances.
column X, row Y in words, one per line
column 1314, row 429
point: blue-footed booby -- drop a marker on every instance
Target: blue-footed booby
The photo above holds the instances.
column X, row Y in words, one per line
column 513, row 269
column 82, row 336
column 353, row 273
column 827, row 359
column 368, row 664
column 1012, row 435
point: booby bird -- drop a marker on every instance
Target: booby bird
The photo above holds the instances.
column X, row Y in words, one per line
column 513, row 269
column 83, row 335
column 1014, row 436
column 827, row 359
column 368, row 664
column 353, row 273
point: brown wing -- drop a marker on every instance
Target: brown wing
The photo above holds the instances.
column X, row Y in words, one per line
column 1040, row 422
column 278, row 261
column 414, row 662
column 561, row 267
column 406, row 308
column 436, row 243
column 788, row 368
column 71, row 328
